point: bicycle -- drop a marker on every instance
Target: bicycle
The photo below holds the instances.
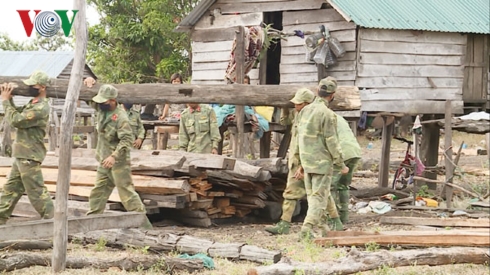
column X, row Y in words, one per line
column 405, row 171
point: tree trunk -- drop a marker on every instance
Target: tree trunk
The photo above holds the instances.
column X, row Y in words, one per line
column 241, row 94
column 357, row 261
column 130, row 263
column 184, row 244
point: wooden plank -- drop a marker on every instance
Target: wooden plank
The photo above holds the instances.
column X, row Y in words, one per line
column 471, row 239
column 240, row 75
column 209, row 75
column 226, row 21
column 413, row 36
column 300, row 58
column 331, row 26
column 410, row 59
column 411, row 107
column 312, row 77
column 216, row 56
column 311, row 68
column 310, row 16
column 372, row 70
column 198, row 47
column 208, row 82
column 43, row 229
column 293, row 50
column 204, row 66
column 144, row 184
column 170, row 201
column 409, row 82
column 411, row 94
column 411, row 48
column 227, row 8
column 213, row 35
column 446, row 222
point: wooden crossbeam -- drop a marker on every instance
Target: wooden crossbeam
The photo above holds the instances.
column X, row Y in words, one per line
column 44, row 228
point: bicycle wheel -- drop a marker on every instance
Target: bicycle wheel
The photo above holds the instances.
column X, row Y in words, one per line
column 400, row 179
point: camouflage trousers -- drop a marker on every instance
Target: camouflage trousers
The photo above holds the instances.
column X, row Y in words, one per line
column 118, row 176
column 295, row 190
column 25, row 176
column 340, row 187
column 317, row 192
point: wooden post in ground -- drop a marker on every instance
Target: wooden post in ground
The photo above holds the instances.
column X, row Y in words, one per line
column 240, row 74
column 429, row 150
column 60, row 231
column 384, row 165
column 448, row 164
column 488, row 143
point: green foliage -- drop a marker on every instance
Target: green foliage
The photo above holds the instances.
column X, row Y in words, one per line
column 135, row 42
column 100, row 245
column 372, row 246
column 40, row 43
column 423, row 191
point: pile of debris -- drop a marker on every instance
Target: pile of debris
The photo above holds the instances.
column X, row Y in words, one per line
column 196, row 187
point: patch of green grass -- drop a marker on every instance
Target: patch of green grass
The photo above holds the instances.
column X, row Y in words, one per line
column 372, row 246
column 101, row 244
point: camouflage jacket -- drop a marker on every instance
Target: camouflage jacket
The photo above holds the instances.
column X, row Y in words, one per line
column 317, row 138
column 198, row 131
column 348, row 142
column 115, row 136
column 289, row 119
column 136, row 124
column 31, row 121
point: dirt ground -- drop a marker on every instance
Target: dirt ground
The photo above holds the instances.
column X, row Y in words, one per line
column 252, row 232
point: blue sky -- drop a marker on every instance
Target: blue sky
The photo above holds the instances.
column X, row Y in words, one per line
column 11, row 24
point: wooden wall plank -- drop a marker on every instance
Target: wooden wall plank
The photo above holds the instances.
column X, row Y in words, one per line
column 314, row 27
column 209, row 66
column 342, row 36
column 210, row 56
column 411, row 48
column 311, row 16
column 226, row 21
column 409, row 59
column 294, row 50
column 413, row 36
column 408, row 82
column 211, row 46
column 209, row 75
column 411, row 106
column 312, row 77
column 411, row 94
column 244, row 7
column 409, row 70
column 301, row 58
column 212, row 35
column 311, row 68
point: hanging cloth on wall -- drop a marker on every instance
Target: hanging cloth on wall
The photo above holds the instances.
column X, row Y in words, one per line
column 254, row 39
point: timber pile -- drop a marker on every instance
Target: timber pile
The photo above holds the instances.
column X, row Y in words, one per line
column 196, row 188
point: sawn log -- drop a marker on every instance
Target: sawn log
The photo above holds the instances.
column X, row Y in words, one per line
column 347, row 98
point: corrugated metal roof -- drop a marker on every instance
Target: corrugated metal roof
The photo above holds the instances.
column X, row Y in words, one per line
column 194, row 16
column 22, row 64
column 466, row 16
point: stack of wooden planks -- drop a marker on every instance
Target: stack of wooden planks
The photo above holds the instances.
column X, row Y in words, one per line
column 193, row 188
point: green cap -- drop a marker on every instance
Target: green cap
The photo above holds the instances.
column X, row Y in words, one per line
column 37, row 77
column 303, row 95
column 328, row 84
column 105, row 93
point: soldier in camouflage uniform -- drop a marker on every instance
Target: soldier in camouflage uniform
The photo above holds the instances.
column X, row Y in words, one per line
column 115, row 139
column 136, row 125
column 28, row 149
column 320, row 153
column 351, row 154
column 198, row 131
column 295, row 188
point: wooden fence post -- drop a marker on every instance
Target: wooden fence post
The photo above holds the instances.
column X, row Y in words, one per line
column 448, row 164
column 60, row 231
column 240, row 75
